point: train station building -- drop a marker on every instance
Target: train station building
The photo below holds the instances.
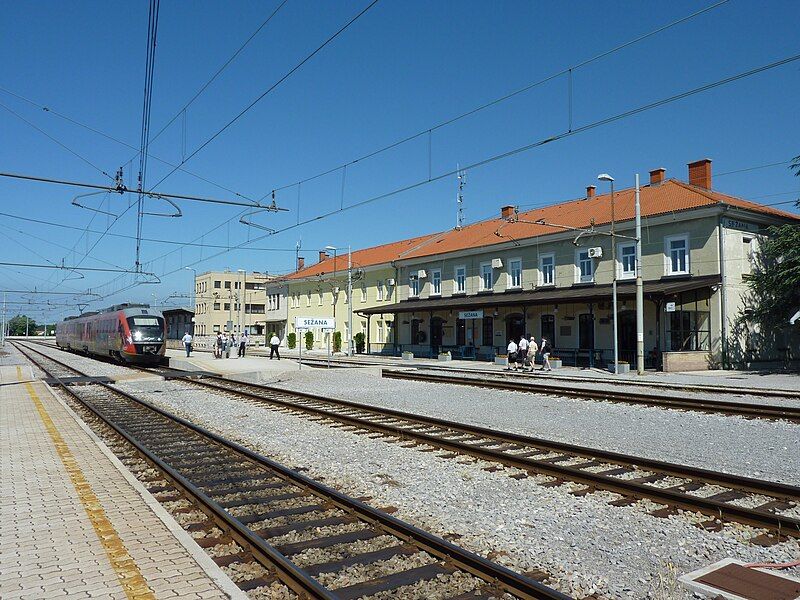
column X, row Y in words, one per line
column 469, row 290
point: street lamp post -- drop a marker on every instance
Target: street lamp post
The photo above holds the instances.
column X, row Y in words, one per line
column 193, row 295
column 333, row 287
column 242, row 299
column 349, row 293
column 639, row 286
column 607, row 177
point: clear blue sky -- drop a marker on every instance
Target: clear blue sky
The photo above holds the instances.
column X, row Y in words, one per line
column 401, row 68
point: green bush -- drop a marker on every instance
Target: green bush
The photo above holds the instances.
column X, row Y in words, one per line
column 309, row 340
column 337, row 341
column 361, row 342
column 291, row 341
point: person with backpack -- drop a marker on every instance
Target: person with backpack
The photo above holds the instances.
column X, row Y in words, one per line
column 218, row 345
column 545, row 350
column 511, row 349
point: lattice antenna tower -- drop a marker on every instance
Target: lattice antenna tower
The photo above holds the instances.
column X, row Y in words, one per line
column 462, row 181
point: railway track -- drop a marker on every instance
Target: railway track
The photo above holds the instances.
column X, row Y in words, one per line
column 725, row 407
column 305, row 535
column 720, row 496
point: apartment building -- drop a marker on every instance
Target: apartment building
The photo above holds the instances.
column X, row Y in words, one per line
column 472, row 289
column 230, row 301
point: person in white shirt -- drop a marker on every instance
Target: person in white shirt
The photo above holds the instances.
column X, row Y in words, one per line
column 274, row 343
column 522, row 353
column 511, row 349
column 243, row 341
column 545, row 348
column 533, row 348
column 187, row 343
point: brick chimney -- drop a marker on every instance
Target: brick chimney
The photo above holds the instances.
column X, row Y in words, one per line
column 700, row 173
column 301, row 262
column 590, row 190
column 657, row 176
column 323, row 255
column 507, row 211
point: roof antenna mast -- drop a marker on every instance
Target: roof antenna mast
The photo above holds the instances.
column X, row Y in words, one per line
column 462, row 181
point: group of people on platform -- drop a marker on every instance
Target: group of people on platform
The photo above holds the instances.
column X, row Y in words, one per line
column 522, row 354
column 225, row 342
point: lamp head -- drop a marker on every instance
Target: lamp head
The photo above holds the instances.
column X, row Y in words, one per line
column 332, row 248
column 605, row 177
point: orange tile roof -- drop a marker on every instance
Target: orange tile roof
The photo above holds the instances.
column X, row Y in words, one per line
column 670, row 196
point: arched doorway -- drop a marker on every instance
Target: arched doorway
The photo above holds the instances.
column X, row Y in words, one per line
column 515, row 326
column 437, row 333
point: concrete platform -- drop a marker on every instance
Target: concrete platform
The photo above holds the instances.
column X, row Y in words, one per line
column 75, row 522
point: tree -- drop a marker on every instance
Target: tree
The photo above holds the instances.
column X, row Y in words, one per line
column 361, row 341
column 337, row 341
column 291, row 341
column 309, row 340
column 16, row 325
column 775, row 282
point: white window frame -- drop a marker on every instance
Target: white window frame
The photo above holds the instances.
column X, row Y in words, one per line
column 542, row 258
column 308, row 298
column 668, row 254
column 379, row 290
column 321, row 299
column 379, row 337
column 459, row 289
column 413, row 286
column 363, row 291
column 579, row 277
column 621, row 272
column 511, row 284
column 436, row 278
column 486, row 267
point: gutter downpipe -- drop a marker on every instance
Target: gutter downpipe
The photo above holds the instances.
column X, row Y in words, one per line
column 396, row 323
column 723, row 296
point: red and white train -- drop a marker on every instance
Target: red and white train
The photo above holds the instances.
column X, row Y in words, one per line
column 131, row 333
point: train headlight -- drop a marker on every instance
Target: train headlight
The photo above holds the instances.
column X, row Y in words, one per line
column 137, row 335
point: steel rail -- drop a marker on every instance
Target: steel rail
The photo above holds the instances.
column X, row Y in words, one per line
column 762, row 519
column 494, row 574
column 742, row 409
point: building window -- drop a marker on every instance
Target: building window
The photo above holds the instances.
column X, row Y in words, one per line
column 227, row 285
column 436, row 282
column 515, row 273
column 585, row 266
column 227, row 306
column 488, row 331
column 627, row 260
column 676, row 253
column 379, row 290
column 461, row 279
column 217, row 284
column 216, row 305
column 487, row 277
column 308, row 298
column 237, row 285
column 547, row 269
column 379, row 331
column 548, row 329
column 320, row 299
column 689, row 327
column 413, row 285
column 749, row 254
column 363, row 291
column 389, row 288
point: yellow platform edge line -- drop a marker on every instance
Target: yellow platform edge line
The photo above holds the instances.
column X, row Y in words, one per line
column 130, row 578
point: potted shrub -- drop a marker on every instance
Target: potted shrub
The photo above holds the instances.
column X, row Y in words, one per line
column 555, row 362
column 291, row 341
column 501, row 359
column 361, row 342
column 445, row 356
column 408, row 355
column 622, row 367
column 337, row 341
column 309, row 340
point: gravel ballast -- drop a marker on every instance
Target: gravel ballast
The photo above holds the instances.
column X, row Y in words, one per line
column 587, row 545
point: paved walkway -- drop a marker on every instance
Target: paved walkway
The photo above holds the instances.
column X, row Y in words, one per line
column 75, row 523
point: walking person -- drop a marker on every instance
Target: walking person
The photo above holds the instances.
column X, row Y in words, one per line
column 533, row 348
column 522, row 353
column 243, row 341
column 511, row 349
column 218, row 345
column 229, row 342
column 187, row 343
column 545, row 350
column 274, row 343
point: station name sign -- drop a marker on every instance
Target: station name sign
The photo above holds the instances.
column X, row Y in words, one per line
column 470, row 314
column 310, row 322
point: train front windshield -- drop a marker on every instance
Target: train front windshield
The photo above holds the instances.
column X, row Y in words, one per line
column 146, row 329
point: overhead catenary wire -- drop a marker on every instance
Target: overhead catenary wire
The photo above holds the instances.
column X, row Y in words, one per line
column 504, row 155
column 566, row 71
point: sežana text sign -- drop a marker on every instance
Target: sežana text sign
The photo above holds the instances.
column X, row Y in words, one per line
column 470, row 314
column 311, row 322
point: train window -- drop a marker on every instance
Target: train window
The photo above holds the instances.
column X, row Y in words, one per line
column 145, row 321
